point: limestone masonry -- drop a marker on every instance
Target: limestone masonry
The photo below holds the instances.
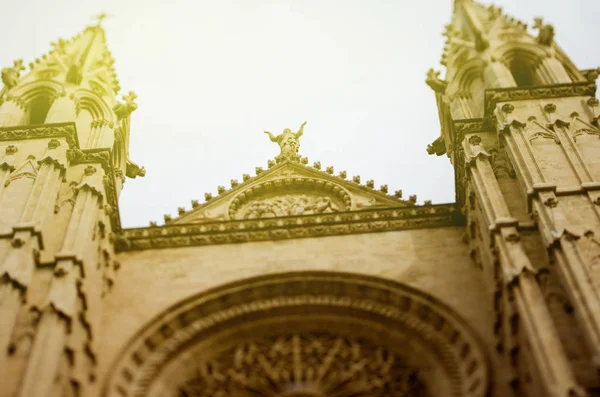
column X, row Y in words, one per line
column 298, row 281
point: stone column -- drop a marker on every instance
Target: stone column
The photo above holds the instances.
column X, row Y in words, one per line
column 561, row 197
column 497, row 75
column 519, row 277
column 461, row 106
column 18, row 264
column 49, row 344
column 551, row 71
column 63, row 109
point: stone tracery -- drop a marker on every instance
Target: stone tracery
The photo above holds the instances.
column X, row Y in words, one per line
column 305, row 365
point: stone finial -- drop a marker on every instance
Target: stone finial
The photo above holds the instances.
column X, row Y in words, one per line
column 270, row 164
column 356, row 179
column 289, row 144
column 208, row 196
column 317, row 165
column 413, row 198
column 329, row 170
column 153, row 224
column 221, row 189
column 383, row 188
column 546, row 34
column 180, row 211
column 258, row 170
column 101, row 17
column 195, row 204
column 168, row 218
column 11, row 75
column 234, row 183
column 370, row 183
column 433, row 80
column 123, row 110
column 343, row 174
column 398, row 194
column 245, row 177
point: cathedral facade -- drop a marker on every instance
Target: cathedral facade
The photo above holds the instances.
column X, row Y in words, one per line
column 299, row 281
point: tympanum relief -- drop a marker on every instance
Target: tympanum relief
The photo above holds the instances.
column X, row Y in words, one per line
column 289, row 205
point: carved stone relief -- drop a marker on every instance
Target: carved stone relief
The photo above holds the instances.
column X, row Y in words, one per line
column 307, row 365
column 289, row 205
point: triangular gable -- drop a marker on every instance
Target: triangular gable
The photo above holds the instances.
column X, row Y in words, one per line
column 580, row 127
column 28, row 170
column 291, row 188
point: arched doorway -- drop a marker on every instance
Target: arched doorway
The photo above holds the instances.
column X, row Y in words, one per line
column 304, row 334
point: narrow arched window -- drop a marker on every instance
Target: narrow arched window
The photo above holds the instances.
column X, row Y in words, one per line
column 522, row 73
column 38, row 110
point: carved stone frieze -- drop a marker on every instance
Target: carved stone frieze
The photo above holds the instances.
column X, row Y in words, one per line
column 289, row 206
column 65, row 130
column 335, row 223
column 492, row 97
column 102, row 157
column 295, row 196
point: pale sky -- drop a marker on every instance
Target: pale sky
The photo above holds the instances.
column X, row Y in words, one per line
column 211, row 76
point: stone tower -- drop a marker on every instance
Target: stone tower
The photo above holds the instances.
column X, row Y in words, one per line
column 63, row 159
column 519, row 123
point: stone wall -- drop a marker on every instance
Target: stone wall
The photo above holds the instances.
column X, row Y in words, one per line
column 435, row 261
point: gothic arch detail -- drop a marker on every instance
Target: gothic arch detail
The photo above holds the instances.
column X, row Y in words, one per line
column 303, row 334
column 29, row 91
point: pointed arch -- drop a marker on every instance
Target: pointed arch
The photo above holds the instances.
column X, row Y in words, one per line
column 467, row 90
column 38, row 97
column 29, row 91
column 95, row 104
column 316, row 308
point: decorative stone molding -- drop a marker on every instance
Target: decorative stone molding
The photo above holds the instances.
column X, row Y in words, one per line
column 101, row 156
column 492, row 97
column 64, row 130
column 438, row 348
column 339, row 223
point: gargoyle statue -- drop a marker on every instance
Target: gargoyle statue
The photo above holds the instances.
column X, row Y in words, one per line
column 11, row 75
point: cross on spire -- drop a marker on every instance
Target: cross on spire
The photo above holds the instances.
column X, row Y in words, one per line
column 101, row 17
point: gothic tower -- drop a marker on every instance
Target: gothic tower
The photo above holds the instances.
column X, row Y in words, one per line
column 64, row 141
column 520, row 126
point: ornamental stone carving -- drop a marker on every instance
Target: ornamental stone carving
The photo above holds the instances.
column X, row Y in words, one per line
column 308, row 365
column 290, row 206
column 303, row 334
column 11, row 75
column 289, row 197
column 289, row 143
